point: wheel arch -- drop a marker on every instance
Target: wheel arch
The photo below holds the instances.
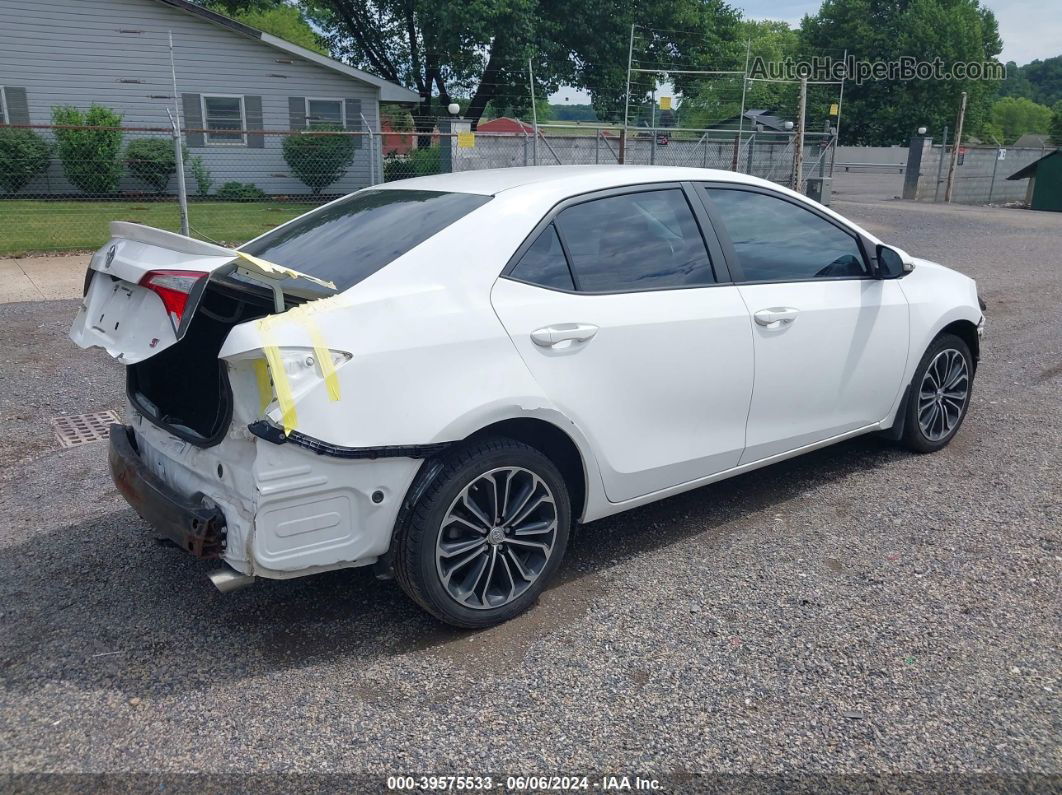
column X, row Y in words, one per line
column 967, row 332
column 554, row 443
column 962, row 328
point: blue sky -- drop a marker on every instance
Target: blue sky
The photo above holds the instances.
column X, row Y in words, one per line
column 1029, row 28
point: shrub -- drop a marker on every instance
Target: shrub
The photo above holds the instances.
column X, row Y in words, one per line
column 152, row 160
column 319, row 160
column 420, row 163
column 240, row 192
column 23, row 155
column 201, row 174
column 91, row 158
column 396, row 167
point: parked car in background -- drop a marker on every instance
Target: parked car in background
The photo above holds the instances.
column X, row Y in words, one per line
column 438, row 377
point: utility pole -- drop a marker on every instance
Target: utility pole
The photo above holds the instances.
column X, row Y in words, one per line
column 955, row 150
column 798, row 139
column 940, row 164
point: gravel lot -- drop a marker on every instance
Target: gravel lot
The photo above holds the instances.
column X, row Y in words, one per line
column 859, row 610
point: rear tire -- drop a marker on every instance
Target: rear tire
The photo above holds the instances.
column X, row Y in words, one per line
column 939, row 395
column 487, row 534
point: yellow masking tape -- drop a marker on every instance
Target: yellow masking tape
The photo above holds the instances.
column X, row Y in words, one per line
column 265, row 388
column 280, row 377
column 324, row 356
column 272, row 267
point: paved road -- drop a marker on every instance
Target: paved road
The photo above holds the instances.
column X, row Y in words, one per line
column 858, row 610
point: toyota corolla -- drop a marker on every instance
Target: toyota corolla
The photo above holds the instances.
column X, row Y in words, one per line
column 438, row 377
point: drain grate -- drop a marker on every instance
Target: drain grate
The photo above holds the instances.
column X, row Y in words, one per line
column 78, row 429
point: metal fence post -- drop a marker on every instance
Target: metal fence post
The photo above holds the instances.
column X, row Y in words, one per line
column 372, row 157
column 995, row 167
column 752, row 148
column 178, row 148
column 597, row 147
column 182, row 190
column 652, row 150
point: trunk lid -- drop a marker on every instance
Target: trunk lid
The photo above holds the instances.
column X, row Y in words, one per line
column 145, row 284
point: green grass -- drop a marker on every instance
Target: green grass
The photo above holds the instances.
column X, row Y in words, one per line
column 32, row 226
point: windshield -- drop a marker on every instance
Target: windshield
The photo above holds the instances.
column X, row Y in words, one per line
column 351, row 239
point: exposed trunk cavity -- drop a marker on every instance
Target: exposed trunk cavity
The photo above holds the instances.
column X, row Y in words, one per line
column 185, row 388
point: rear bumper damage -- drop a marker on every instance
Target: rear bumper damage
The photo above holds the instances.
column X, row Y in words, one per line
column 266, row 509
column 194, row 523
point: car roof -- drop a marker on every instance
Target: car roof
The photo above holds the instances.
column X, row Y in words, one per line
column 569, row 180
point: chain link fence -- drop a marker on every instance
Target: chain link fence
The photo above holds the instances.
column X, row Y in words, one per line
column 60, row 185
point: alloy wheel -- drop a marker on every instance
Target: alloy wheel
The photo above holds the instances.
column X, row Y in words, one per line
column 943, row 393
column 496, row 538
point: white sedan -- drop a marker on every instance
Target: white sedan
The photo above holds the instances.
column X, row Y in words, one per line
column 439, row 376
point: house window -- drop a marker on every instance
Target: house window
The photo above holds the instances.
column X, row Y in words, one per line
column 325, row 111
column 223, row 118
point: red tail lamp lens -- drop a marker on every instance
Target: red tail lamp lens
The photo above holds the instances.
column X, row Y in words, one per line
column 174, row 288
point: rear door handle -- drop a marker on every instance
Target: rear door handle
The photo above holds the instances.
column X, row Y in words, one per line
column 776, row 316
column 551, row 336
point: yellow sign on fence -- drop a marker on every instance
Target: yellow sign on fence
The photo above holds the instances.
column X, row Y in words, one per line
column 833, row 109
column 466, row 140
column 665, row 103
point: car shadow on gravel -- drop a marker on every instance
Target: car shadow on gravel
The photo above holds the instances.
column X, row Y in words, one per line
column 101, row 605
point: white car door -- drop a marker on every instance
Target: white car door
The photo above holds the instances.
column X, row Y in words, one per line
column 614, row 306
column 830, row 339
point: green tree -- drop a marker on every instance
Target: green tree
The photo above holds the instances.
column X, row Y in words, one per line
column 1016, row 84
column 91, row 151
column 23, row 155
column 318, row 160
column 280, row 19
column 1046, row 79
column 152, row 160
column 480, row 48
column 573, row 112
column 1012, row 117
column 1056, row 124
column 708, row 101
column 882, row 112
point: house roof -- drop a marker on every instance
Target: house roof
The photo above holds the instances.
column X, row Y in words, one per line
column 389, row 92
column 505, row 124
column 765, row 117
column 1032, row 141
column 1030, row 169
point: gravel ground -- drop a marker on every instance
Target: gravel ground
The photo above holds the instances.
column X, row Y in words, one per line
column 859, row 610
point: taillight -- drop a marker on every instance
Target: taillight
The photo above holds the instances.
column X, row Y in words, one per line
column 174, row 288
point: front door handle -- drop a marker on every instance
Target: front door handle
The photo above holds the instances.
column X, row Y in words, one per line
column 776, row 316
column 551, row 336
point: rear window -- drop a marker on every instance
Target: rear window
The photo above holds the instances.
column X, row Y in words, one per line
column 353, row 238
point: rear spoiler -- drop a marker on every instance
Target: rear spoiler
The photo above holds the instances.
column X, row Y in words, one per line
column 201, row 248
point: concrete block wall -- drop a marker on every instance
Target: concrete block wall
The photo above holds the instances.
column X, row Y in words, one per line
column 981, row 179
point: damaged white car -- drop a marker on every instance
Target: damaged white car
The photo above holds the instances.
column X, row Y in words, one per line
column 439, row 376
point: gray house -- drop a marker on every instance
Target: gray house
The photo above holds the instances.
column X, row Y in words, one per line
column 241, row 90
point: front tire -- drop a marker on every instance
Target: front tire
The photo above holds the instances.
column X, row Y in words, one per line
column 940, row 395
column 486, row 535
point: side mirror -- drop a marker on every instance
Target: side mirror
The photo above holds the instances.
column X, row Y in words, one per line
column 893, row 261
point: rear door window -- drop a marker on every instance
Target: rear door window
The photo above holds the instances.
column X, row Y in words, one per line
column 635, row 241
column 544, row 263
column 349, row 240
